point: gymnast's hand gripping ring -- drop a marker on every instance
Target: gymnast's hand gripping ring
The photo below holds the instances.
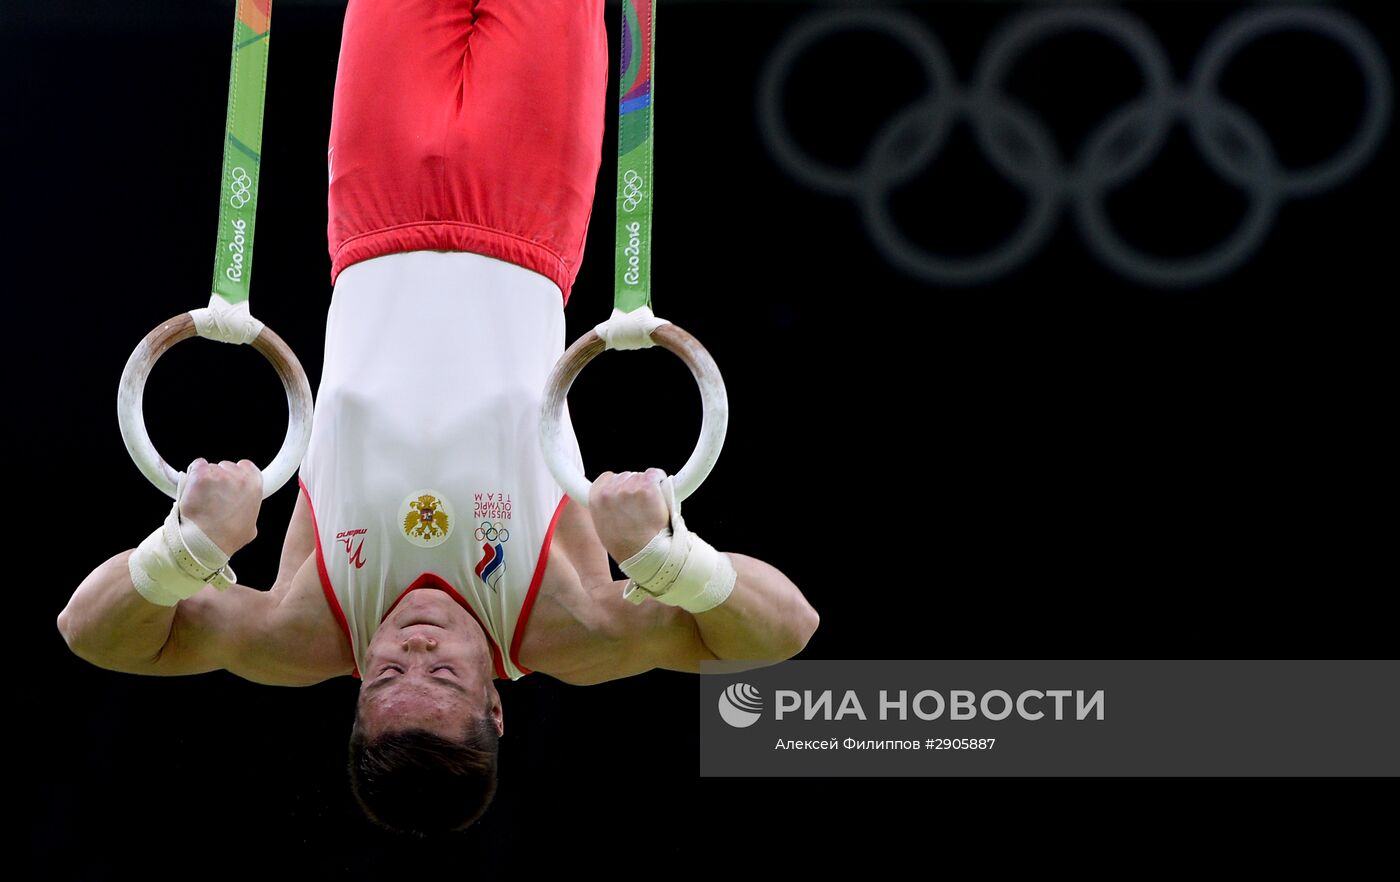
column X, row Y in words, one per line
column 133, row 386
column 712, row 395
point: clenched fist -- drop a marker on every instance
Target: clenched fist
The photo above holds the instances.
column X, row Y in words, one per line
column 223, row 500
column 628, row 510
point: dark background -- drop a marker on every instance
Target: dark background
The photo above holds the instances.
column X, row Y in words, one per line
column 1060, row 461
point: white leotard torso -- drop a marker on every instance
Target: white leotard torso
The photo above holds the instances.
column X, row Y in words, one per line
column 424, row 467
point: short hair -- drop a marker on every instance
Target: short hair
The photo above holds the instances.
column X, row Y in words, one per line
column 416, row 782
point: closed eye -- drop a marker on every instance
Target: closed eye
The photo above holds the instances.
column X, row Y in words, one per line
column 383, row 680
column 433, row 670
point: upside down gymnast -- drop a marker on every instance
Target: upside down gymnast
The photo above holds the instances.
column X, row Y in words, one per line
column 431, row 551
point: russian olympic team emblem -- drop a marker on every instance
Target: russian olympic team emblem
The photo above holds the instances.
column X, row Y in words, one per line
column 427, row 518
column 492, row 568
column 491, row 513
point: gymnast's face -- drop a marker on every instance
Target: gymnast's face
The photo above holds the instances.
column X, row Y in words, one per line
column 427, row 667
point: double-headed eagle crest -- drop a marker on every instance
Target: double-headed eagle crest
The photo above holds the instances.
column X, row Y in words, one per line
column 426, row 519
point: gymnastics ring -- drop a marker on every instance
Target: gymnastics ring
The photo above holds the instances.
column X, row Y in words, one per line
column 712, row 397
column 133, row 421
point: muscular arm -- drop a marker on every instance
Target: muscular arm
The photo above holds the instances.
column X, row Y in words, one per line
column 765, row 619
column 275, row 637
column 107, row 623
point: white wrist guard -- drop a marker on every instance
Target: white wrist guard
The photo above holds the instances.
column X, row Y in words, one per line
column 177, row 560
column 677, row 567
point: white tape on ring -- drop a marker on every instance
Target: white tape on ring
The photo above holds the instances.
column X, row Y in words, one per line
column 226, row 322
column 629, row 330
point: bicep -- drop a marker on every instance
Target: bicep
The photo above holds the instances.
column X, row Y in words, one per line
column 632, row 638
column 209, row 631
column 284, row 637
column 277, row 637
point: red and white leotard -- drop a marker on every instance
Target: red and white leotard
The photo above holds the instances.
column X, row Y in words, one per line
column 466, row 138
column 424, row 467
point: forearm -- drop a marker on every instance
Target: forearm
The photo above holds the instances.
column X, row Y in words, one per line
column 109, row 624
column 765, row 617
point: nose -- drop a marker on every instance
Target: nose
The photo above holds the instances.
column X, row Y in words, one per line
column 420, row 642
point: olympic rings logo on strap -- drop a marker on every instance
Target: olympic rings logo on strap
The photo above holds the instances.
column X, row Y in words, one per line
column 241, row 187
column 489, row 532
column 631, row 190
column 1233, row 143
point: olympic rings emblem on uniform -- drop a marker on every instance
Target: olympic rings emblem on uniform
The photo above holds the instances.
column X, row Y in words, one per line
column 242, row 188
column 631, row 190
column 489, row 532
column 1019, row 144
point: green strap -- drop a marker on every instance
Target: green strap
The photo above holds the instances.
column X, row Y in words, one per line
column 634, row 156
column 238, row 198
